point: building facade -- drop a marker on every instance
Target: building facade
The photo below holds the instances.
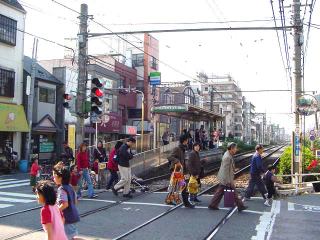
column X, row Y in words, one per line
column 223, row 95
column 249, row 124
column 12, row 116
column 47, row 133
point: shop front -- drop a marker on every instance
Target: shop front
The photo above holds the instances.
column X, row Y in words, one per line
column 110, row 127
column 12, row 123
column 43, row 140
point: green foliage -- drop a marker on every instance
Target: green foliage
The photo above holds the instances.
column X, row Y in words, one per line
column 285, row 161
column 242, row 146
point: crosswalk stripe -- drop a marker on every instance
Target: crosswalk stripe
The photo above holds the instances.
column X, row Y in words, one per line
column 10, row 182
column 9, row 179
column 14, row 185
column 5, row 205
column 12, row 194
column 14, row 200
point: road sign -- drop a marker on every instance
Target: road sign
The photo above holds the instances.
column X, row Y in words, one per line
column 312, row 138
column 105, row 119
column 312, row 132
column 155, row 78
column 297, row 146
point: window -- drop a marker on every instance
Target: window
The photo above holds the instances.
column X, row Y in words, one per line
column 7, row 83
column 154, row 63
column 8, row 30
column 47, row 95
column 137, row 60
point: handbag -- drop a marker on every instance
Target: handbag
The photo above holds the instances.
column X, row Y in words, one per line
column 229, row 197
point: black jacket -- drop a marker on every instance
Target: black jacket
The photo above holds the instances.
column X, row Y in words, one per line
column 100, row 154
column 178, row 155
column 125, row 155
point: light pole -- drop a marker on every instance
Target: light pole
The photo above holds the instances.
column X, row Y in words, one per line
column 142, row 116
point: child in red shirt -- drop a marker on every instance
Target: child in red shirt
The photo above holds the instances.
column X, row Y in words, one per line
column 75, row 176
column 51, row 216
column 34, row 174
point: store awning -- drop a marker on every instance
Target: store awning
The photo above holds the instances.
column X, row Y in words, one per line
column 12, row 118
column 187, row 112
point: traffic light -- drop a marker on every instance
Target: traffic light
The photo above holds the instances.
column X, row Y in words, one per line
column 96, row 96
column 67, row 98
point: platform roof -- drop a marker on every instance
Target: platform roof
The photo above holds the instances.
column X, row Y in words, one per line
column 187, row 112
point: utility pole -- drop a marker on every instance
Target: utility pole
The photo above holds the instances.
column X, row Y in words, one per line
column 30, row 93
column 82, row 74
column 211, row 107
column 296, row 86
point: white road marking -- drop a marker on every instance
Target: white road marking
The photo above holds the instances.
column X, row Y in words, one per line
column 14, row 185
column 129, row 203
column 266, row 222
column 16, row 181
column 227, row 209
column 5, row 205
column 4, row 199
column 290, row 206
column 9, row 179
column 12, row 194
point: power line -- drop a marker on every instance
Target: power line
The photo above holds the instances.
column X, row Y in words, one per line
column 191, row 23
column 255, row 28
column 278, row 38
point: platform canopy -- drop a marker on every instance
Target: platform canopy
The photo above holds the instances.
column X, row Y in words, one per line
column 187, row 112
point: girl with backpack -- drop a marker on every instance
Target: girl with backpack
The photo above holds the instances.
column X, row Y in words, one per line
column 66, row 201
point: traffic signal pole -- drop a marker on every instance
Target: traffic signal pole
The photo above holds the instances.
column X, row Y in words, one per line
column 82, row 74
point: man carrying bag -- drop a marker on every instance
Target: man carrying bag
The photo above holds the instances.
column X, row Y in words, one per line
column 226, row 180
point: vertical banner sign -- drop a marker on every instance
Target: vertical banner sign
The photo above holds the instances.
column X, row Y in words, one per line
column 72, row 137
column 155, row 78
column 297, row 147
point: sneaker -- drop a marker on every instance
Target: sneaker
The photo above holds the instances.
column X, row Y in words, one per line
column 94, row 196
column 242, row 208
column 127, row 195
column 213, row 208
column 189, row 205
column 267, row 203
column 114, row 191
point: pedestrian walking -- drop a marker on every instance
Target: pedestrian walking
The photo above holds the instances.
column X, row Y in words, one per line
column 83, row 165
column 178, row 157
column 269, row 179
column 100, row 159
column 194, row 165
column 123, row 158
column 34, row 173
column 66, row 200
column 113, row 166
column 226, row 179
column 51, row 216
column 256, row 172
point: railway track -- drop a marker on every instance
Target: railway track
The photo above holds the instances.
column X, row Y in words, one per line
column 103, row 208
column 209, row 189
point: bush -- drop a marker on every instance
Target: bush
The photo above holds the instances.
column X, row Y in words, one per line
column 242, row 146
column 285, row 160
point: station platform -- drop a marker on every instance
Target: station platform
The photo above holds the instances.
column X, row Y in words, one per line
column 291, row 218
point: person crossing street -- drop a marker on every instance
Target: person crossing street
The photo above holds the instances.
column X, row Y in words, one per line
column 123, row 159
column 256, row 172
column 226, row 179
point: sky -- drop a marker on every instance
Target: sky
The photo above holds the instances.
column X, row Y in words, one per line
column 252, row 58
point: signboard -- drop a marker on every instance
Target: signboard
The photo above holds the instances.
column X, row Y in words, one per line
column 296, row 146
column 130, row 130
column 170, row 108
column 46, row 147
column 318, row 154
column 312, row 138
column 155, row 78
column 72, row 136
